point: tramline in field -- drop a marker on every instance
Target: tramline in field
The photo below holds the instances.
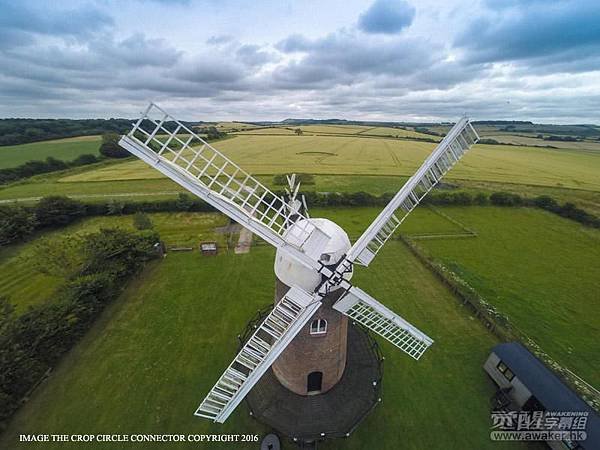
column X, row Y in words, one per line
column 304, row 336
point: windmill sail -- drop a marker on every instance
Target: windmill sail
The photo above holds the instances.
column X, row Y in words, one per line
column 456, row 143
column 179, row 153
column 284, row 322
column 364, row 309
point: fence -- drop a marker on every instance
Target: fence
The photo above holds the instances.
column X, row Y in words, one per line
column 499, row 324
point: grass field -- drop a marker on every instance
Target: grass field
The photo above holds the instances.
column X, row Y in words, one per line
column 25, row 287
column 347, row 155
column 162, row 345
column 540, row 270
column 519, row 139
column 267, row 131
column 151, row 358
column 64, row 149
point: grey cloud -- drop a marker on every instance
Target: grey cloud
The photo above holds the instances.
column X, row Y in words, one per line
column 254, row 55
column 18, row 18
column 350, row 72
column 387, row 17
column 348, row 58
column 535, row 31
column 294, row 43
column 137, row 50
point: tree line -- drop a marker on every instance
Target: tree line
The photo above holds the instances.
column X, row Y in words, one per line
column 17, row 221
column 94, row 269
column 22, row 131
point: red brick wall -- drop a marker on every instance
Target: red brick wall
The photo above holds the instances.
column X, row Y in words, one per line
column 311, row 353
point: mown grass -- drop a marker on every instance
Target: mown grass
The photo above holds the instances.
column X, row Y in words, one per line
column 160, row 347
column 363, row 156
column 64, row 149
column 538, row 269
column 25, row 286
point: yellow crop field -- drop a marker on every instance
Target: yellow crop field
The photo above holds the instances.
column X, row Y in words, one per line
column 533, row 140
column 363, row 156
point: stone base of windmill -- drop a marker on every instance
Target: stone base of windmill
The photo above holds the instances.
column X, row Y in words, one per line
column 333, row 414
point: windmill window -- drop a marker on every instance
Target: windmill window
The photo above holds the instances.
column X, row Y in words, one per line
column 318, row 326
column 504, row 370
column 325, row 258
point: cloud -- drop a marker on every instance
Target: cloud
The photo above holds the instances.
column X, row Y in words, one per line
column 346, row 57
column 219, row 40
column 541, row 32
column 17, row 20
column 254, row 55
column 386, row 17
column 515, row 59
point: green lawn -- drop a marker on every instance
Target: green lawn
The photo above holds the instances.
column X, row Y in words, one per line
column 26, row 287
column 538, row 269
column 65, row 149
column 159, row 348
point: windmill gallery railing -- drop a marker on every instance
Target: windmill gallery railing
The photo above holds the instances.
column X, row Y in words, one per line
column 370, row 346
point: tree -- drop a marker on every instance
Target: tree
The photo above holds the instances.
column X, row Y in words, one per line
column 183, row 202
column 114, row 207
column 298, row 131
column 58, row 211
column 110, row 146
column 142, row 222
column 84, row 159
column 16, row 222
column 546, row 202
column 505, row 199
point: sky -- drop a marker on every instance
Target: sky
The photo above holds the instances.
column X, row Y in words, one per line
column 392, row 60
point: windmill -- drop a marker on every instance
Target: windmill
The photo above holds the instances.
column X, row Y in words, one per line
column 313, row 264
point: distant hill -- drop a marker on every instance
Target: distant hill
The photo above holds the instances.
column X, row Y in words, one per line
column 23, row 131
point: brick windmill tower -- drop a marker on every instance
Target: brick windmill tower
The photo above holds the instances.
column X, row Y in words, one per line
column 316, row 358
column 306, row 335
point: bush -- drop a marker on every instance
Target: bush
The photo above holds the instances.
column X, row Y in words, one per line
column 110, row 146
column 546, row 202
column 505, row 199
column 16, row 222
column 33, row 342
column 570, row 211
column 488, row 141
column 83, row 160
column 183, row 202
column 58, row 211
column 31, row 168
column 142, row 222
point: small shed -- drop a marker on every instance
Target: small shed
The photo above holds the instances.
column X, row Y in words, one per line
column 527, row 384
column 209, row 248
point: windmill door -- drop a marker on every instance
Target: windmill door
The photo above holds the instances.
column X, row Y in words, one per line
column 314, row 382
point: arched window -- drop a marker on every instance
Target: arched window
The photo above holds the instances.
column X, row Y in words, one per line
column 318, row 326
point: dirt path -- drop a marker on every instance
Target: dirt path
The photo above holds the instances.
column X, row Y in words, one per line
column 123, row 194
column 244, row 242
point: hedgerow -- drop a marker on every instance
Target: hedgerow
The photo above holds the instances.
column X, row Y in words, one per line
column 33, row 342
